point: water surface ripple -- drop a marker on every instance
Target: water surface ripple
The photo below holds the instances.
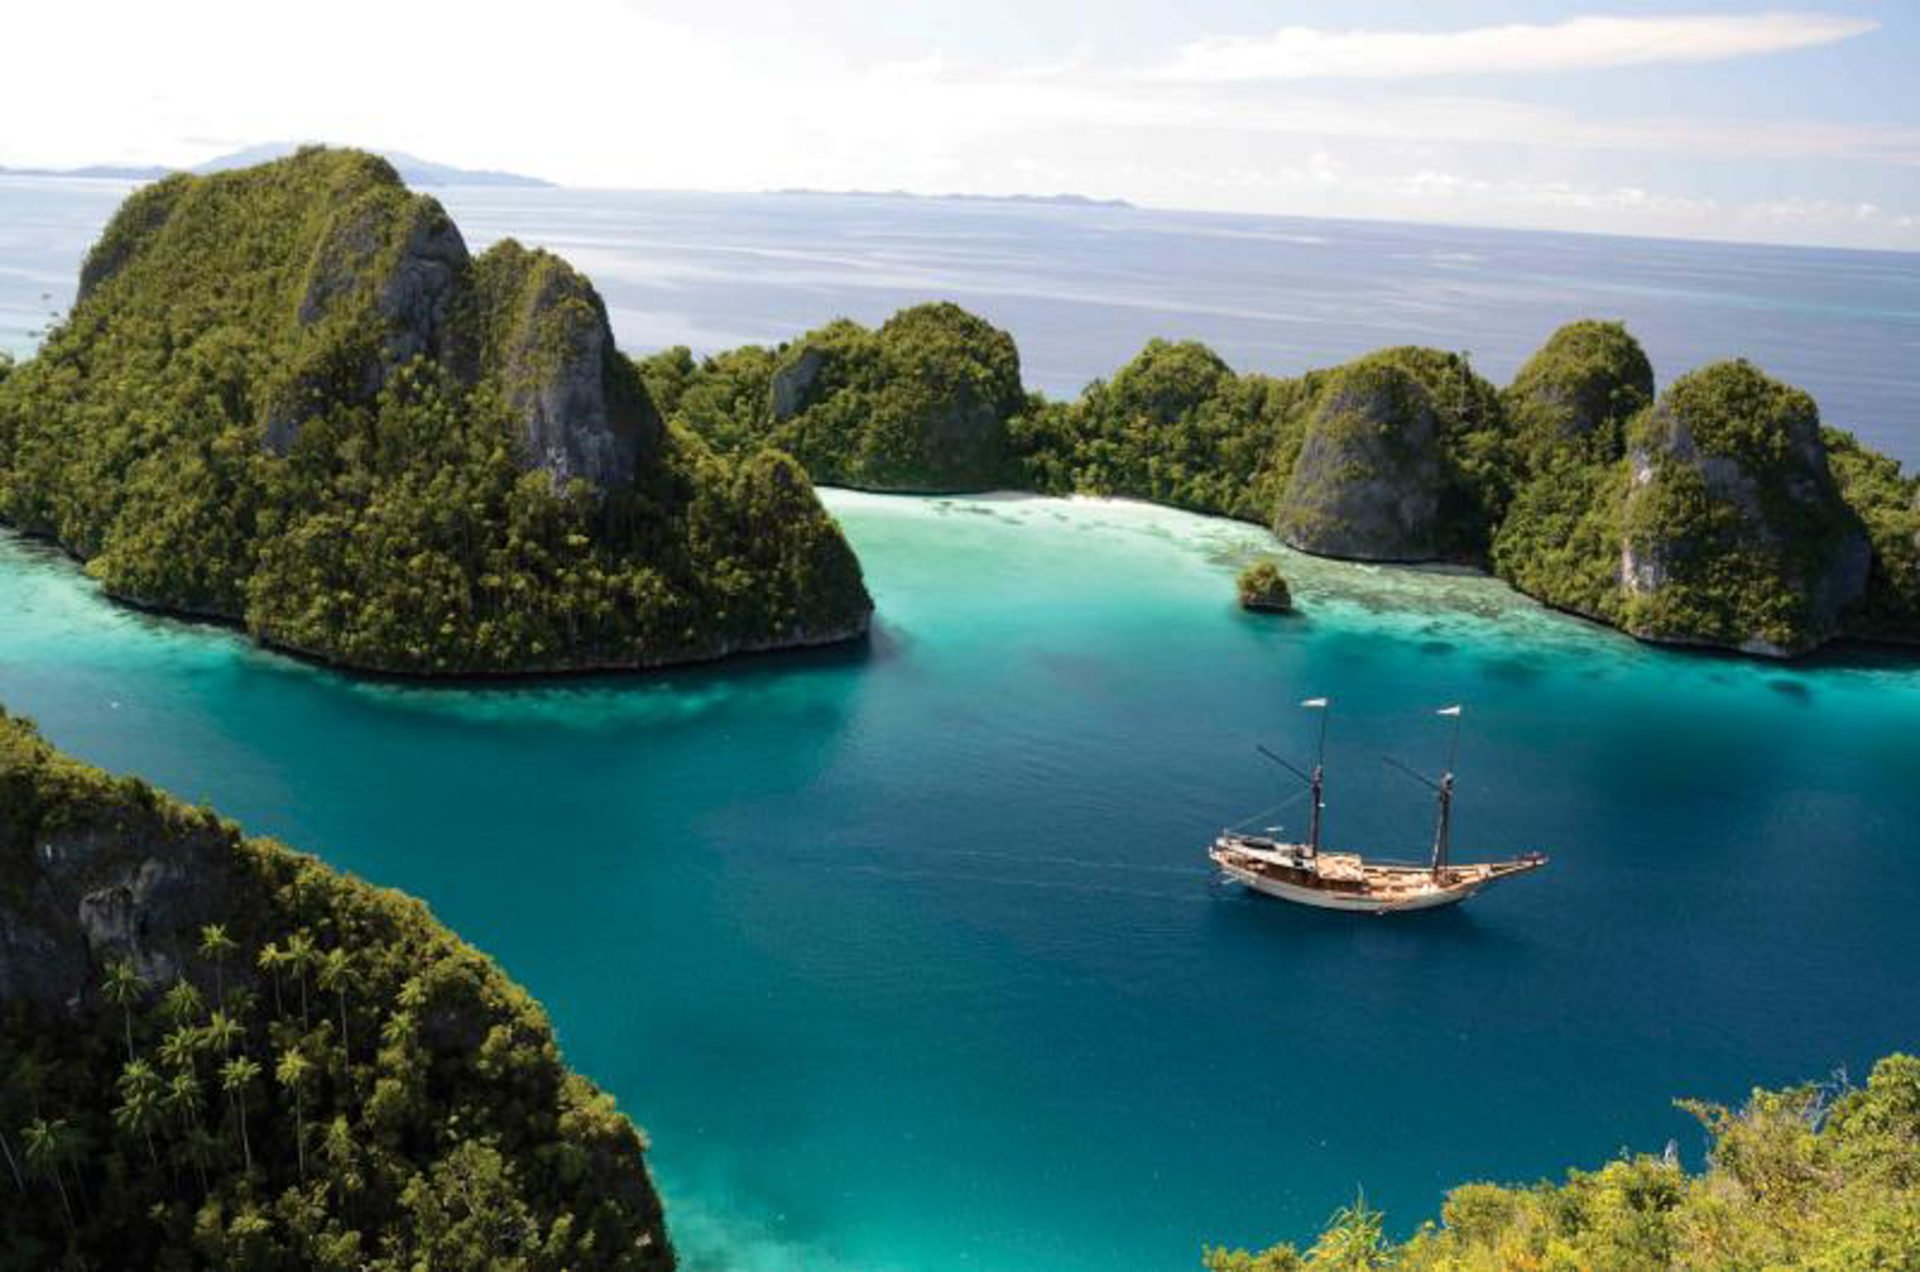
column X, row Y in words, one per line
column 909, row 958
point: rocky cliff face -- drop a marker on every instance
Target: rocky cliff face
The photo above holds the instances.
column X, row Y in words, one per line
column 385, row 278
column 541, row 336
column 1366, row 484
column 791, row 391
column 380, row 290
column 103, row 880
column 1735, row 530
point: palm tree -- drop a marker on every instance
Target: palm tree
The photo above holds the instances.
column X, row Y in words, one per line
column 29, row 1079
column 300, row 956
column 179, row 1049
column 236, row 1075
column 343, row 1178
column 182, row 1002
column 221, row 1031
column 51, row 1148
column 293, row 1073
column 271, row 959
column 13, row 1164
column 139, row 1110
column 181, row 1100
column 1355, row 1240
column 216, row 945
column 338, row 975
column 124, row 987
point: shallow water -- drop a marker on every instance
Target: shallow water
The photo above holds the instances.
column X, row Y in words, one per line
column 909, row 957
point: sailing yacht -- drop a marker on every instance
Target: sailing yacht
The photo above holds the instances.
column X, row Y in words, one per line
column 1309, row 875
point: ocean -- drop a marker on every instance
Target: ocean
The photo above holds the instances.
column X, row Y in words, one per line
column 909, row 957
column 1083, row 288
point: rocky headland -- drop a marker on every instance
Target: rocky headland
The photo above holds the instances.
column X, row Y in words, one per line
column 215, row 1051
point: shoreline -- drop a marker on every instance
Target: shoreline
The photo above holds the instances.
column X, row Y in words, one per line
column 1908, row 651
column 1847, row 651
column 853, row 641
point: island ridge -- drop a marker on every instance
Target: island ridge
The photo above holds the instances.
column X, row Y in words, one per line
column 288, row 397
column 1719, row 512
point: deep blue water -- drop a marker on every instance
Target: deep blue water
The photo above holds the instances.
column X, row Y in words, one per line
column 1082, row 289
column 910, row 958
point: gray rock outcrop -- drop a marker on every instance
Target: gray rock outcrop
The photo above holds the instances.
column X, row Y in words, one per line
column 409, row 257
column 578, row 407
column 87, row 894
column 1367, row 482
column 1736, row 531
column 793, row 383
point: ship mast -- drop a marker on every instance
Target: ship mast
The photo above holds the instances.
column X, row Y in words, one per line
column 1316, row 780
column 1443, row 827
column 1318, row 783
column 1442, row 830
column 1442, row 794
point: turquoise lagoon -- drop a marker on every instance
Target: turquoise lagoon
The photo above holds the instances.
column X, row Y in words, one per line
column 908, row 956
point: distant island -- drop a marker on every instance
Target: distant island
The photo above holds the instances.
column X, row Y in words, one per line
column 414, row 171
column 287, row 397
column 1056, row 200
column 1718, row 512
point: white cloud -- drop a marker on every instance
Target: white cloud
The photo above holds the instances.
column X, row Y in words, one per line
column 1322, row 184
column 602, row 93
column 1586, row 43
column 1419, row 117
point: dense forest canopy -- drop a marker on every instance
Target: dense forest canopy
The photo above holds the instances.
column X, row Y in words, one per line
column 287, row 396
column 216, row 1052
column 1719, row 512
column 1819, row 1177
column 921, row 403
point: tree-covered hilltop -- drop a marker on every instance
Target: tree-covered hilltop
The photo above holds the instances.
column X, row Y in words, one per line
column 1814, row 1177
column 1718, row 513
column 287, row 396
column 1175, row 426
column 1711, row 516
column 216, row 1052
column 1888, row 504
column 921, row 403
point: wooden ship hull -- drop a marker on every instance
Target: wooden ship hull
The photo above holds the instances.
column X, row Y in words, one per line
column 1347, row 881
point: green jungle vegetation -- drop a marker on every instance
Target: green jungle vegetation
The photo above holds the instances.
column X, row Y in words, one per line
column 286, row 397
column 328, row 1080
column 921, row 403
column 1747, row 523
column 1888, row 503
column 1262, row 587
column 1817, row 1177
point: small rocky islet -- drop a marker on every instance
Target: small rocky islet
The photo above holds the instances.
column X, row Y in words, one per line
column 1263, row 589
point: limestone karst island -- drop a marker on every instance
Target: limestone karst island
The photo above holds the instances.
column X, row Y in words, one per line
column 842, row 641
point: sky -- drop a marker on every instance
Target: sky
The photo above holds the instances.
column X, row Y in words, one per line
column 1701, row 119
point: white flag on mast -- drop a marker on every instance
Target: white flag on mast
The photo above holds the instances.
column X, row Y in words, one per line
column 1313, row 702
column 1449, row 711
